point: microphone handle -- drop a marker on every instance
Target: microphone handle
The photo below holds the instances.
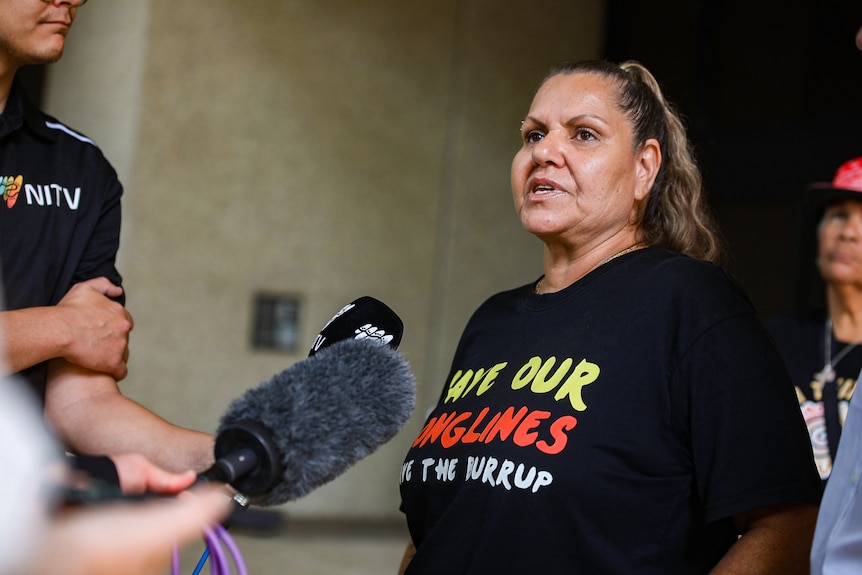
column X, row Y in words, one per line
column 230, row 467
column 247, row 458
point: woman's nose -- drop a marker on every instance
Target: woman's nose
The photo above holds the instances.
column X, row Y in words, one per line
column 549, row 149
column 852, row 227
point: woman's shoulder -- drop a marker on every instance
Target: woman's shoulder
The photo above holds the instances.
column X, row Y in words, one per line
column 660, row 266
column 681, row 281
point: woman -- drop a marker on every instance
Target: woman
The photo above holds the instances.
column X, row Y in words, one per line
column 626, row 413
column 821, row 346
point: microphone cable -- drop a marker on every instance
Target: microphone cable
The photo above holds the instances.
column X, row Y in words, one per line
column 221, row 549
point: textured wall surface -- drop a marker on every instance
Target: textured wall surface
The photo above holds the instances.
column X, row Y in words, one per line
column 325, row 149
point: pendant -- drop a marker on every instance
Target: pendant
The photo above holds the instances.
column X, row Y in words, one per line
column 825, row 375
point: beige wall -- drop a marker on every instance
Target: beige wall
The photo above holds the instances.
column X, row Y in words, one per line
column 323, row 148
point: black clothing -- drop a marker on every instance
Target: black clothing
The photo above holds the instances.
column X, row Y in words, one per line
column 800, row 339
column 60, row 212
column 613, row 427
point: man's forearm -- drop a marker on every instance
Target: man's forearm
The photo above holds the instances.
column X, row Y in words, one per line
column 118, row 425
column 86, row 328
column 92, row 417
column 29, row 337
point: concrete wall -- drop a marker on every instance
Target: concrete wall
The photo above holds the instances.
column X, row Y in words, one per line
column 322, row 148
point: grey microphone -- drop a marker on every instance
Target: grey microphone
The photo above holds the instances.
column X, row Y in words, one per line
column 308, row 424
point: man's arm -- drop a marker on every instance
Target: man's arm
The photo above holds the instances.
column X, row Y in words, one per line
column 85, row 327
column 92, row 417
column 775, row 540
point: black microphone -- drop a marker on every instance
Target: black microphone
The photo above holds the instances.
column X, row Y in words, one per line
column 363, row 318
column 310, row 423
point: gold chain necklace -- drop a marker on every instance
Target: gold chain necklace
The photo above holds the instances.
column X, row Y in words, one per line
column 540, row 284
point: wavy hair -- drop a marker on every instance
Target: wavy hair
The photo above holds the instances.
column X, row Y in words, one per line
column 676, row 215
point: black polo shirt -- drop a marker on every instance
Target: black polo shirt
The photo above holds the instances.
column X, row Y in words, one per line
column 59, row 211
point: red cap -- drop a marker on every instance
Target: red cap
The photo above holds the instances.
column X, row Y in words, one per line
column 849, row 176
column 847, row 184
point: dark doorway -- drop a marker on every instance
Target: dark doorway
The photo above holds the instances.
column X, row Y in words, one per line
column 772, row 94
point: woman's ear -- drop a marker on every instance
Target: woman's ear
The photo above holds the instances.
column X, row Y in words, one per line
column 648, row 164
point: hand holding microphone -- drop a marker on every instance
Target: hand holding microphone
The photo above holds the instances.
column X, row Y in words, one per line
column 310, row 423
column 306, row 425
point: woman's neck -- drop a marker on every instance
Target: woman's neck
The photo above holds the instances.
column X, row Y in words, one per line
column 563, row 268
column 845, row 311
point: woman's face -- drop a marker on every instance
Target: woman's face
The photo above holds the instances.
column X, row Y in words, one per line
column 577, row 178
column 840, row 245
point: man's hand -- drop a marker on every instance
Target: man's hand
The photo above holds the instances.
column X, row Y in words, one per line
column 138, row 475
column 97, row 328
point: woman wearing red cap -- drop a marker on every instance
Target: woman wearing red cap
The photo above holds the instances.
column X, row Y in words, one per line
column 837, row 546
column 821, row 347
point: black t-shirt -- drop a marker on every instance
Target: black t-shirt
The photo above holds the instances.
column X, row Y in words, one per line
column 59, row 212
column 613, row 427
column 800, row 339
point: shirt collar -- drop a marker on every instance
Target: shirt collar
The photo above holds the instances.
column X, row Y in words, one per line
column 20, row 111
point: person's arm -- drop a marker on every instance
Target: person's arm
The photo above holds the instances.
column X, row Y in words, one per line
column 85, row 327
column 775, row 540
column 409, row 552
column 130, row 538
column 91, row 416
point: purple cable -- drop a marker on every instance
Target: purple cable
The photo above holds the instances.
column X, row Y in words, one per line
column 219, row 564
column 218, row 560
column 233, row 548
column 175, row 560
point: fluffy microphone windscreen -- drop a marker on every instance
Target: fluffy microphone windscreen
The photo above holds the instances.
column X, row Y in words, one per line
column 328, row 411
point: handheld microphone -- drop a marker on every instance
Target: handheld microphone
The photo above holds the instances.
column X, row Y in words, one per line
column 363, row 318
column 311, row 422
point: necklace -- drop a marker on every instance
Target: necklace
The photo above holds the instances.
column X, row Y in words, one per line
column 827, row 374
column 636, row 246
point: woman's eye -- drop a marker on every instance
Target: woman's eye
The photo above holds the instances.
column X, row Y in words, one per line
column 835, row 216
column 533, row 136
column 584, row 134
column 835, row 212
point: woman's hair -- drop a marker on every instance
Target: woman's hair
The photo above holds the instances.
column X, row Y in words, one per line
column 676, row 215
